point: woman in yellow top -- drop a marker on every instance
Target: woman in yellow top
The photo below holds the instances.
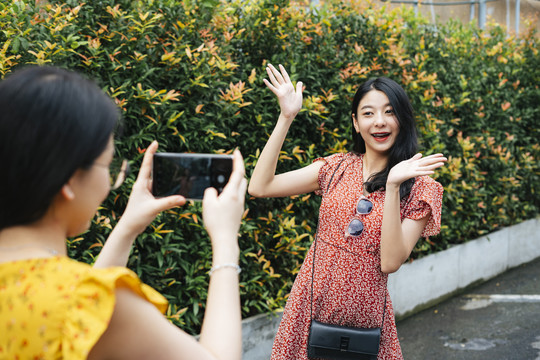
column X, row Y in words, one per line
column 56, row 133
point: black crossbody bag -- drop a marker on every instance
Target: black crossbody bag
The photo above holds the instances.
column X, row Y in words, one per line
column 328, row 341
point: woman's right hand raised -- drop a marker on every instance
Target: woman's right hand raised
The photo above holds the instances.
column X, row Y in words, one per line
column 290, row 99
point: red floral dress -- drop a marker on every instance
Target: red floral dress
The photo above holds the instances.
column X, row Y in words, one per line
column 349, row 286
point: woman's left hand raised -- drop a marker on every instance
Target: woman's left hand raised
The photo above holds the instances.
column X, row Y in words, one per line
column 415, row 166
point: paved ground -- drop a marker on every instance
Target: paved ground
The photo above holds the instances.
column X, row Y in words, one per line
column 497, row 320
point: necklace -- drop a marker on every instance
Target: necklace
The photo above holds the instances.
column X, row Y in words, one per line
column 50, row 250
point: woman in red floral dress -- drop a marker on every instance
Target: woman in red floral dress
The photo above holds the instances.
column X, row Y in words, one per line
column 377, row 201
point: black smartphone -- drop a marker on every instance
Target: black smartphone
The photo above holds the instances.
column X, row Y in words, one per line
column 189, row 174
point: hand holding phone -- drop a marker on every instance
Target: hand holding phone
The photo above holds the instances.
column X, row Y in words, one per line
column 222, row 214
column 189, row 174
column 142, row 207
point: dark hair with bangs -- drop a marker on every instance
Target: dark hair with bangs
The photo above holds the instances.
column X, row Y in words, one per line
column 52, row 123
column 406, row 144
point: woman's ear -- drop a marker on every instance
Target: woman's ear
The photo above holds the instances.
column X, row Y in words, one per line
column 355, row 124
column 67, row 191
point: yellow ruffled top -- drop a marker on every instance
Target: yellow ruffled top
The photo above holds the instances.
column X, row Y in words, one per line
column 58, row 308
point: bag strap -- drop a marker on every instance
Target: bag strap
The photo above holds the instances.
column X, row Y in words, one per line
column 315, row 250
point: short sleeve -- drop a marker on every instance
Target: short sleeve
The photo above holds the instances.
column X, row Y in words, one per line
column 93, row 301
column 326, row 171
column 426, row 199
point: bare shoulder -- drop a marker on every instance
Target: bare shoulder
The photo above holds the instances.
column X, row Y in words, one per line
column 137, row 330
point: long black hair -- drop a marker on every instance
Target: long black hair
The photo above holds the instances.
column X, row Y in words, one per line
column 52, row 122
column 406, row 144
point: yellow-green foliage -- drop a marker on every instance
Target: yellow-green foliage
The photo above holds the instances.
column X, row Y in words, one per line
column 189, row 74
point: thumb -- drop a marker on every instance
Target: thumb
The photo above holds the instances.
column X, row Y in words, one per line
column 169, row 202
column 299, row 87
column 417, row 156
column 210, row 196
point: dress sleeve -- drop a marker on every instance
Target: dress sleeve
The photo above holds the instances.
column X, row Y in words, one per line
column 426, row 199
column 326, row 171
column 93, row 305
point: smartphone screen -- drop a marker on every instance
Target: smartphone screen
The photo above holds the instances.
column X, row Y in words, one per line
column 189, row 174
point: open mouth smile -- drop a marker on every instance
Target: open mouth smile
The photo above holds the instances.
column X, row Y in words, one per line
column 381, row 136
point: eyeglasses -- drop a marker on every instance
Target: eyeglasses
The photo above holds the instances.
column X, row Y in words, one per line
column 118, row 171
column 356, row 226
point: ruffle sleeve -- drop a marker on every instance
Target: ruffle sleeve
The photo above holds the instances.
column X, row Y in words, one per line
column 326, row 171
column 92, row 305
column 426, row 199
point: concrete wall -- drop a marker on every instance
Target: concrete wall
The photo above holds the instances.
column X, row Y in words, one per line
column 258, row 335
column 429, row 280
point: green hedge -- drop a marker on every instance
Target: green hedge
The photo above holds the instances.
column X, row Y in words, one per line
column 189, row 74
